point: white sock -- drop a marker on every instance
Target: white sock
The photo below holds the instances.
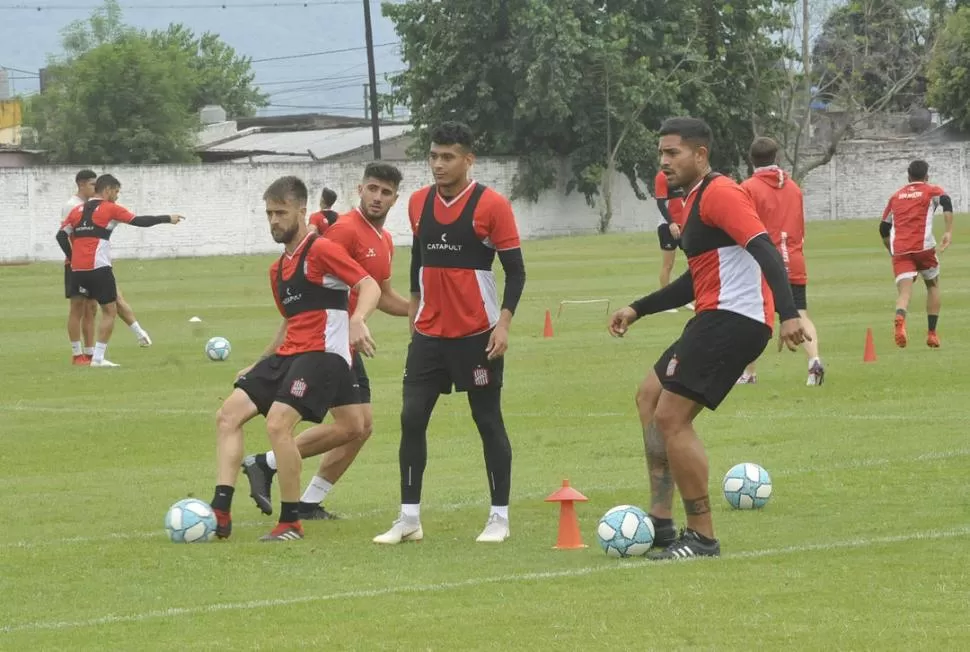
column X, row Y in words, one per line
column 812, row 362
column 89, row 350
column 502, row 511
column 412, row 512
column 137, row 329
column 76, row 348
column 271, row 460
column 316, row 491
column 99, row 349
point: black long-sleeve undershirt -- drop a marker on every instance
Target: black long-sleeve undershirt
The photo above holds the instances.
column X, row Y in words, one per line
column 150, row 220
column 773, row 267
column 678, row 293
column 664, row 212
column 514, row 266
column 415, row 265
column 64, row 241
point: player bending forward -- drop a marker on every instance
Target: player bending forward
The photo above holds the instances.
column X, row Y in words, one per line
column 778, row 200
column 306, row 371
column 460, row 330
column 361, row 232
column 731, row 266
column 907, row 231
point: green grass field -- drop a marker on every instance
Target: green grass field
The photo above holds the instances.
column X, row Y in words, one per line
column 864, row 544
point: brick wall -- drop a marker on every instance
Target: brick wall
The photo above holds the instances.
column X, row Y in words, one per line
column 225, row 212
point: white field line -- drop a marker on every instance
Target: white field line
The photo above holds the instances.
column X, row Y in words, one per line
column 180, row 612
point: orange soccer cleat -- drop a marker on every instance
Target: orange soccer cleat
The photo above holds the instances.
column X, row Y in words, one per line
column 932, row 340
column 901, row 331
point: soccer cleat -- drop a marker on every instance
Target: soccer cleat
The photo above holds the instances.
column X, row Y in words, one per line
column 315, row 513
column 81, row 360
column 932, row 340
column 223, row 524
column 900, row 328
column 687, row 546
column 144, row 340
column 690, row 306
column 816, row 375
column 663, row 535
column 404, row 529
column 747, row 379
column 260, row 480
column 103, row 363
column 284, row 532
column 496, row 530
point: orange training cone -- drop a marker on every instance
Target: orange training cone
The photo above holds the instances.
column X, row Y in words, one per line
column 547, row 330
column 870, row 353
column 569, row 536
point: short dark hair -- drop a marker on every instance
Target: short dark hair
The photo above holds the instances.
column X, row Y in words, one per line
column 918, row 170
column 104, row 182
column 763, row 152
column 453, row 133
column 383, row 172
column 85, row 175
column 284, row 188
column 692, row 130
column 328, row 197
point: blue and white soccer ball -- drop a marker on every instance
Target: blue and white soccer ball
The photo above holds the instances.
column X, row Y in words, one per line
column 217, row 349
column 747, row 486
column 190, row 521
column 625, row 531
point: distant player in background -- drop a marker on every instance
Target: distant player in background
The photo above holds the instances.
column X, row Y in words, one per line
column 460, row 324
column 779, row 203
column 305, row 372
column 81, row 317
column 361, row 232
column 84, row 238
column 670, row 203
column 907, row 232
column 326, row 216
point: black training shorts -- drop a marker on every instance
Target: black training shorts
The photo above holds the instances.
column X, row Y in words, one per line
column 798, row 293
column 70, row 284
column 98, row 284
column 363, row 381
column 311, row 383
column 461, row 362
column 710, row 356
column 667, row 241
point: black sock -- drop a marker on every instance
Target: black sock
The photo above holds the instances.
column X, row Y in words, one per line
column 261, row 463
column 419, row 401
column 901, row 312
column 486, row 405
column 289, row 512
column 222, row 500
column 661, row 522
column 932, row 319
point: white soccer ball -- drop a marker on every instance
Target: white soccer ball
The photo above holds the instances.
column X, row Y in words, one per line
column 747, row 486
column 190, row 521
column 217, row 349
column 625, row 531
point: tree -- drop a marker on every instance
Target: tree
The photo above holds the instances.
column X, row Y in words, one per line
column 949, row 71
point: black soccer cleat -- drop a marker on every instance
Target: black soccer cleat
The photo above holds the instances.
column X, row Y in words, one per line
column 260, row 480
column 314, row 512
column 284, row 532
column 663, row 535
column 688, row 546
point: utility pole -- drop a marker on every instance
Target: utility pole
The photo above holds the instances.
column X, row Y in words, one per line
column 375, row 123
column 807, row 72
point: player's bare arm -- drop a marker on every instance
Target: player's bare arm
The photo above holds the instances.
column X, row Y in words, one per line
column 792, row 331
column 514, row 266
column 269, row 350
column 369, row 294
column 393, row 303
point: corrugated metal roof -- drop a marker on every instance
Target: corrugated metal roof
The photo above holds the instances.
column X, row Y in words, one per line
column 322, row 142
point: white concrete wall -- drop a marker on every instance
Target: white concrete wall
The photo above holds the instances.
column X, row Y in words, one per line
column 225, row 212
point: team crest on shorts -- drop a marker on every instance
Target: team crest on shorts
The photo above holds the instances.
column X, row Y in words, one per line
column 298, row 388
column 480, row 377
column 672, row 366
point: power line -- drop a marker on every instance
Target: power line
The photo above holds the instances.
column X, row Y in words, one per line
column 321, row 53
column 32, row 73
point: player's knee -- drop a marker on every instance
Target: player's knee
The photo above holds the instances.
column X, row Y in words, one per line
column 227, row 420
column 277, row 426
column 668, row 422
column 366, row 429
column 413, row 414
column 647, row 395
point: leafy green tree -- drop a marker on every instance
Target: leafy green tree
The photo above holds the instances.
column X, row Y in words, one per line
column 949, row 71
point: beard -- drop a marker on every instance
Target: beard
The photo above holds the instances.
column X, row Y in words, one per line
column 285, row 236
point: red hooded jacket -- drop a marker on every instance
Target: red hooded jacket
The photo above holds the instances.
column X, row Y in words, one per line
column 778, row 200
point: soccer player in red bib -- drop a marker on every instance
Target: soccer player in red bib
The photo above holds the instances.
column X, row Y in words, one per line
column 907, row 231
column 305, row 372
column 361, row 232
column 779, row 203
column 733, row 271
column 670, row 203
column 460, row 325
column 326, row 216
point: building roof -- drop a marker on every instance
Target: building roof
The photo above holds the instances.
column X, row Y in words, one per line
column 266, row 145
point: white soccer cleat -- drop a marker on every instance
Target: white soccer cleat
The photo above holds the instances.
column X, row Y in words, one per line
column 144, row 340
column 103, row 363
column 404, row 529
column 496, row 530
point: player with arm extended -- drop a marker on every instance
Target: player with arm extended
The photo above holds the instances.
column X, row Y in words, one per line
column 460, row 326
column 670, row 203
column 323, row 219
column 907, row 233
column 84, row 238
column 306, row 371
column 733, row 271
column 780, row 205
column 361, row 232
